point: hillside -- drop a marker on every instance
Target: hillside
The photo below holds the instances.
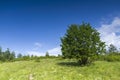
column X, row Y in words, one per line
column 59, row 69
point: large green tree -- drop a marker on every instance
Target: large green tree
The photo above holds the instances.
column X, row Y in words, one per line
column 82, row 42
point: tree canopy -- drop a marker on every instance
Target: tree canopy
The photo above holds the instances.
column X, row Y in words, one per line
column 81, row 42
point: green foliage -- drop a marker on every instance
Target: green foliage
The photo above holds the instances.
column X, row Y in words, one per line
column 59, row 56
column 82, row 42
column 112, row 49
column 112, row 54
column 112, row 57
column 47, row 54
column 19, row 55
column 7, row 55
column 37, row 59
column 26, row 57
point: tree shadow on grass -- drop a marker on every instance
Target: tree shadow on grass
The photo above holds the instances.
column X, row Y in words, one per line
column 69, row 64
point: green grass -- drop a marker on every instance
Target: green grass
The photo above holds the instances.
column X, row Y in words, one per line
column 59, row 69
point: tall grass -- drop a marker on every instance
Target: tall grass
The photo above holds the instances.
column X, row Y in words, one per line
column 59, row 69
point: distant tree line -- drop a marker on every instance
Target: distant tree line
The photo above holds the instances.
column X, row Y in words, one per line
column 7, row 55
column 34, row 57
column 112, row 54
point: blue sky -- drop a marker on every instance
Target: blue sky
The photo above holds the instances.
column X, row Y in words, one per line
column 35, row 26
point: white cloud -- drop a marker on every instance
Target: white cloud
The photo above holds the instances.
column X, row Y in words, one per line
column 38, row 44
column 110, row 33
column 55, row 51
column 36, row 50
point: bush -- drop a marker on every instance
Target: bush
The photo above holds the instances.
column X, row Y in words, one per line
column 37, row 59
column 112, row 58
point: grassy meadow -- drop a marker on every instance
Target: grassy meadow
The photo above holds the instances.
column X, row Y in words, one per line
column 59, row 69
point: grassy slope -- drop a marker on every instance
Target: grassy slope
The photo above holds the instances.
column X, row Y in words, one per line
column 55, row 69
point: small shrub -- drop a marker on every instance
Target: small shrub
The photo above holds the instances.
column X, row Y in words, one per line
column 37, row 59
column 112, row 58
